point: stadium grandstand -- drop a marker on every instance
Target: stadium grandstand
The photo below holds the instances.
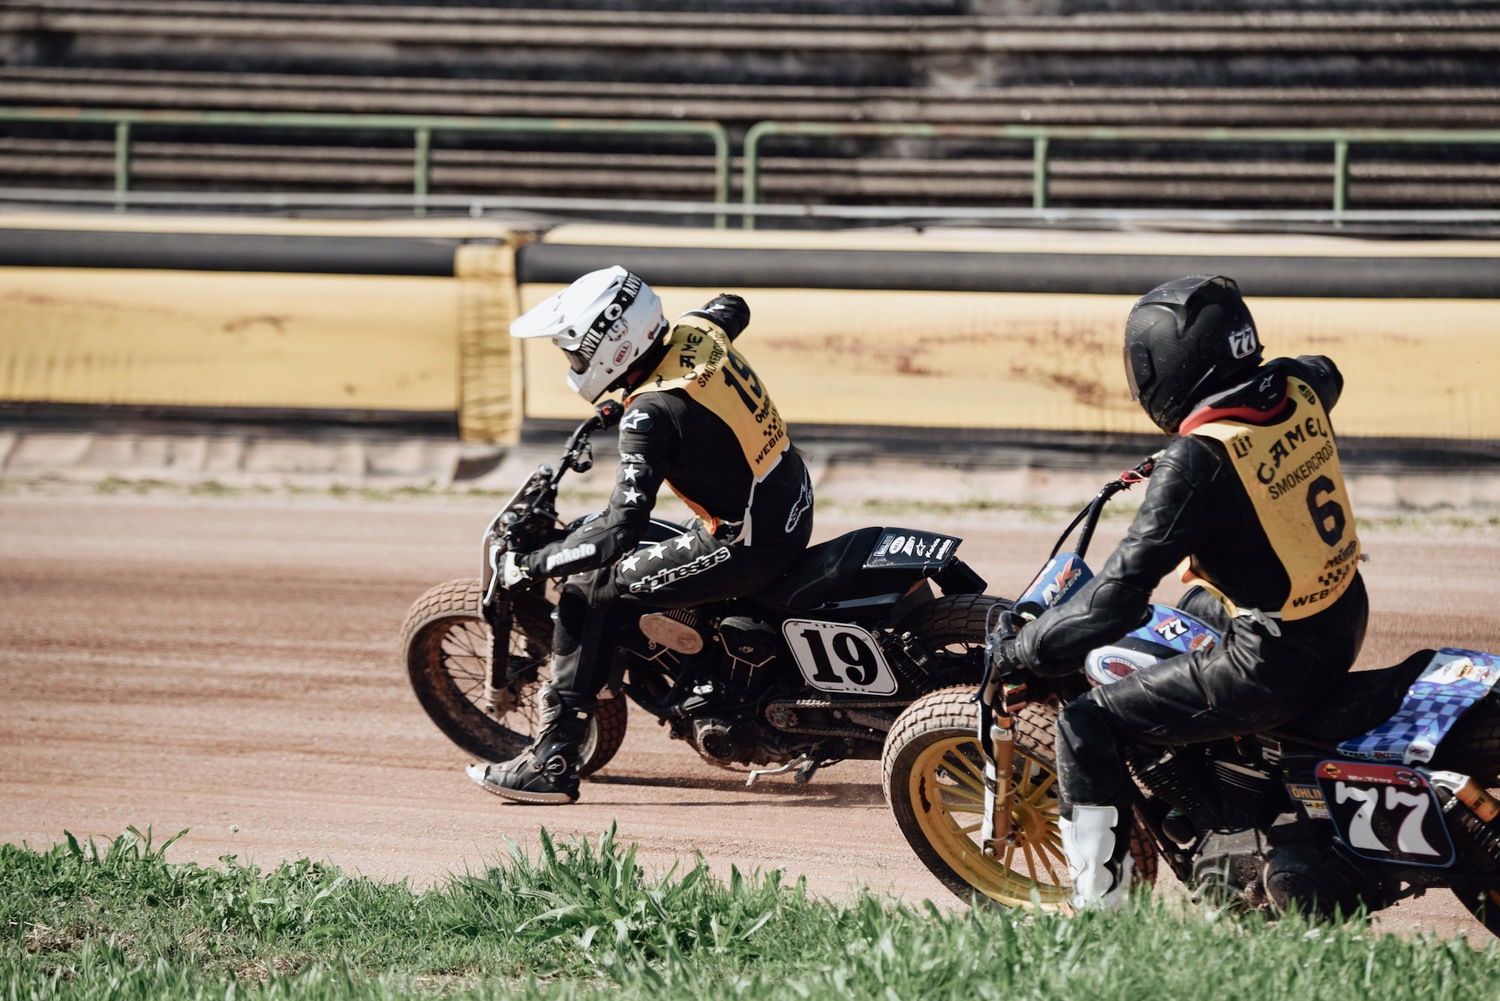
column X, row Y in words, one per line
column 1083, row 104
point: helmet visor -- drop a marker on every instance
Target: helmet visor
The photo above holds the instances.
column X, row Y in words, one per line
column 1139, row 372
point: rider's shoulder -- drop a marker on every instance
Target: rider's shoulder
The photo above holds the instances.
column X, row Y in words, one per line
column 651, row 413
column 1191, row 456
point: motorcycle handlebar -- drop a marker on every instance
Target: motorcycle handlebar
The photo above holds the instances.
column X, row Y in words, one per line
column 1089, row 516
column 608, row 414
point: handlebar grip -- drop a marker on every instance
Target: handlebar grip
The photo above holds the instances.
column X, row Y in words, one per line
column 608, row 413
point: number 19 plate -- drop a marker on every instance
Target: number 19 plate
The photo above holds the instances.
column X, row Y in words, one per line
column 839, row 657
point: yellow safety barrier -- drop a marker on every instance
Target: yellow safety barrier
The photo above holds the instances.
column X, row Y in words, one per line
column 148, row 329
column 1414, row 367
column 264, row 339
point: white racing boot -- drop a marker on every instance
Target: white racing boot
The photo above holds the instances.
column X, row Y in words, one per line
column 1098, row 854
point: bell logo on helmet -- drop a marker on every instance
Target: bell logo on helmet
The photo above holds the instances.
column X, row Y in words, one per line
column 1242, row 342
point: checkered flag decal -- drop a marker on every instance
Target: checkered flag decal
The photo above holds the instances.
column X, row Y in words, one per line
column 1450, row 683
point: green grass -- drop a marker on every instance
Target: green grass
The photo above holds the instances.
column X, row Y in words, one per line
column 584, row 921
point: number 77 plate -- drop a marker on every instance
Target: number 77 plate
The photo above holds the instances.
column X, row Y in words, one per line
column 1388, row 813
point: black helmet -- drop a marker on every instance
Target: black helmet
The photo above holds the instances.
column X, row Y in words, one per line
column 1185, row 340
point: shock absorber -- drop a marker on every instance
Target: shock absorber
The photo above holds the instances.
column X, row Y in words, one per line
column 1468, row 807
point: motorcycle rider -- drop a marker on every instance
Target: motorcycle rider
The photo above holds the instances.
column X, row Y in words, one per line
column 1249, row 499
column 698, row 418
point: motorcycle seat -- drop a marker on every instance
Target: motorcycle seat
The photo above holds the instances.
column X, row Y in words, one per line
column 820, row 571
column 1361, row 701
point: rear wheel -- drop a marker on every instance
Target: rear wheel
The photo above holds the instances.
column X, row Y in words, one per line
column 1474, row 750
column 447, row 644
column 932, row 774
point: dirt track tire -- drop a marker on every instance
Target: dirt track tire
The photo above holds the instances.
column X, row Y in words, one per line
column 931, row 776
column 446, row 643
column 953, row 619
column 1473, row 749
column 952, row 631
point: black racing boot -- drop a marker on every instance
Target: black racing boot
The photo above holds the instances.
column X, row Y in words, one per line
column 547, row 771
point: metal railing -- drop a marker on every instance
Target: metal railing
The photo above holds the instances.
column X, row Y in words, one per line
column 421, row 128
column 1041, row 136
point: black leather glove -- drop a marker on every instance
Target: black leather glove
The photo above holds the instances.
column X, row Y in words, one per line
column 1003, row 656
column 730, row 312
column 1008, row 674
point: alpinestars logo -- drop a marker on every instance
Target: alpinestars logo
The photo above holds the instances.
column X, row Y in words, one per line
column 802, row 505
column 636, row 420
column 1242, row 342
column 660, row 579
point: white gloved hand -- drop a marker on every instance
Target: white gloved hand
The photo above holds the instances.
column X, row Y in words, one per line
column 512, row 572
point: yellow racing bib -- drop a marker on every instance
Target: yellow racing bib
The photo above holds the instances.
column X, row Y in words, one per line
column 1291, row 471
column 701, row 361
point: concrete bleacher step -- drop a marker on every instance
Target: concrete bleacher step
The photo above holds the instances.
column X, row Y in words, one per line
column 1469, row 107
column 963, row 180
column 1375, row 64
column 681, row 45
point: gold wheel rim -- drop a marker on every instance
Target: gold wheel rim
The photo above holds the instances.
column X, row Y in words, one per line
column 947, row 795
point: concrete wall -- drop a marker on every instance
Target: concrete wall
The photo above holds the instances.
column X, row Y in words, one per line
column 1004, row 330
column 270, row 317
column 1023, row 330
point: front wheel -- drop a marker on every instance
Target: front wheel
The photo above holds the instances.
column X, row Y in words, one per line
column 447, row 646
column 932, row 775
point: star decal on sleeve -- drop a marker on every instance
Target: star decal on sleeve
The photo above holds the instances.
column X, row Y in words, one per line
column 628, row 473
column 684, row 541
column 657, row 552
column 632, row 495
column 628, row 564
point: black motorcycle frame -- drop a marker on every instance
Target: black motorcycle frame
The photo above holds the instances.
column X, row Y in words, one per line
column 834, row 582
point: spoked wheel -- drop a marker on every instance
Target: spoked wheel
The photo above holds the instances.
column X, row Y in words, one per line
column 447, row 644
column 933, row 780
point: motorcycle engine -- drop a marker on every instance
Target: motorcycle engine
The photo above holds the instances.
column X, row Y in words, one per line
column 1237, row 871
column 1209, row 787
column 724, row 740
column 1318, row 880
column 751, row 646
column 715, row 717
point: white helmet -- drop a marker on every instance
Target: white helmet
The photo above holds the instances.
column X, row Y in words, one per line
column 603, row 322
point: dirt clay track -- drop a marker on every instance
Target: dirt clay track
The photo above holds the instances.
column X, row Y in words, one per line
column 229, row 665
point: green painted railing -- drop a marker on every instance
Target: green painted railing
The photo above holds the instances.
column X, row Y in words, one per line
column 1041, row 136
column 421, row 128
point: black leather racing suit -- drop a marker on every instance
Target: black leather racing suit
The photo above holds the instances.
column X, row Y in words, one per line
column 1195, row 505
column 748, row 534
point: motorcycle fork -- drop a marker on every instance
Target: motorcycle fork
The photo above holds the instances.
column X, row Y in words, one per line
column 497, row 614
column 998, row 748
